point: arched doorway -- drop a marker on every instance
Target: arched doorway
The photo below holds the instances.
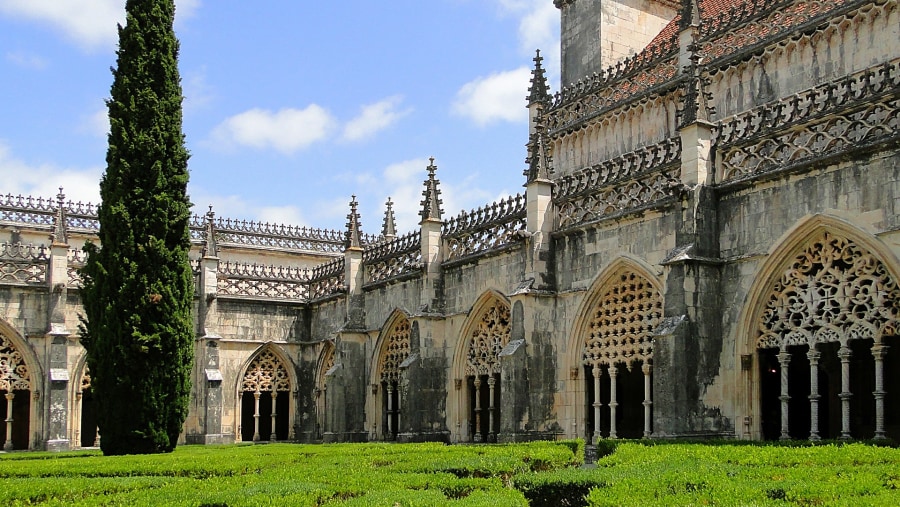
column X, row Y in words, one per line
column 617, row 355
column 826, row 333
column 15, row 404
column 321, row 392
column 486, row 340
column 394, row 350
column 86, row 434
column 265, row 399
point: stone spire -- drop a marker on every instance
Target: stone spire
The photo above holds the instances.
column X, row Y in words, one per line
column 539, row 91
column 696, row 97
column 690, row 14
column 210, row 245
column 389, row 227
column 431, row 205
column 353, row 236
column 60, row 235
column 538, row 159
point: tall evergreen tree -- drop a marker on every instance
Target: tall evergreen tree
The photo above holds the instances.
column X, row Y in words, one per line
column 138, row 287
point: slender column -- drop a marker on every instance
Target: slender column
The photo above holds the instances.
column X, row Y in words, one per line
column 597, row 405
column 613, row 374
column 256, row 415
column 239, row 435
column 76, row 419
column 397, row 409
column 273, row 436
column 389, row 392
column 814, row 356
column 844, row 354
column 97, row 437
column 878, row 352
column 8, row 446
column 784, row 360
column 478, row 437
column 492, row 435
column 648, row 401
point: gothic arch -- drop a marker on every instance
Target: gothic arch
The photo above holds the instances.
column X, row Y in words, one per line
column 19, row 377
column 267, row 371
column 611, row 351
column 83, row 415
column 326, row 362
column 391, row 348
column 477, row 366
column 825, row 300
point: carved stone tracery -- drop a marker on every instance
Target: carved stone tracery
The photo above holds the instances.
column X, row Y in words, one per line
column 833, row 291
column 395, row 351
column 14, row 374
column 265, row 374
column 488, row 338
column 622, row 322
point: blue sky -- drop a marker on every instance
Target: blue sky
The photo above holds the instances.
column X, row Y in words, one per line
column 290, row 106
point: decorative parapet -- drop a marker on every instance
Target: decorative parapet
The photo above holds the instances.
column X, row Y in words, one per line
column 41, row 213
column 490, row 228
column 855, row 112
column 75, row 260
column 386, row 261
column 327, row 279
column 633, row 181
column 24, row 264
column 260, row 281
column 266, row 235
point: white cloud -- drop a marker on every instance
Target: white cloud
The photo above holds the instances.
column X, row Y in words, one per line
column 374, row 118
column 281, row 215
column 196, row 90
column 27, row 60
column 498, row 97
column 287, row 130
column 97, row 123
column 44, row 180
column 90, row 23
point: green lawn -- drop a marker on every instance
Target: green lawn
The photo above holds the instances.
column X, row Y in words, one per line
column 544, row 474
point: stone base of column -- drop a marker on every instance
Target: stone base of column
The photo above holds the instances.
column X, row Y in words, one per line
column 526, row 436
column 58, row 445
column 695, row 435
column 424, row 436
column 349, row 436
column 209, row 439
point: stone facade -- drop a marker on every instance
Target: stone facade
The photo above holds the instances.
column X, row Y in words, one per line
column 708, row 246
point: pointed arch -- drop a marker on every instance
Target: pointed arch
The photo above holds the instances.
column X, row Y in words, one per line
column 613, row 334
column 391, row 348
column 19, row 380
column 824, row 303
column 83, row 415
column 477, row 367
column 324, row 364
column 267, row 371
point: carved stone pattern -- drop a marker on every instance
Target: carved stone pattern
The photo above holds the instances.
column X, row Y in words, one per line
column 14, row 374
column 327, row 279
column 484, row 229
column 607, row 91
column 265, row 374
column 491, row 334
column 627, row 166
column 75, row 260
column 258, row 280
column 834, row 291
column 396, row 351
column 607, row 201
column 622, row 324
column 21, row 263
column 402, row 255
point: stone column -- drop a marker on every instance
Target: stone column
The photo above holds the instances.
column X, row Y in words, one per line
column 256, row 415
column 844, row 354
column 878, row 352
column 613, row 375
column 648, row 401
column 389, row 394
column 813, row 355
column 273, row 436
column 598, row 373
column 477, row 383
column 784, row 360
column 8, row 445
column 492, row 434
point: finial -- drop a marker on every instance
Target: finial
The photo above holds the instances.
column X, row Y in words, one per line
column 60, row 233
column 690, row 14
column 538, row 92
column 210, row 244
column 352, row 238
column 389, row 227
column 431, row 205
column 538, row 159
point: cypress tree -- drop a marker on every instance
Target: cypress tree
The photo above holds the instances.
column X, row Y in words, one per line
column 138, row 286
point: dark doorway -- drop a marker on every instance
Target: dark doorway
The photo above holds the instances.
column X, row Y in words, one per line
column 21, row 414
column 88, row 419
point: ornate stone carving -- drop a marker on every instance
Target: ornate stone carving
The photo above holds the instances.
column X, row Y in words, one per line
column 395, row 351
column 14, row 374
column 394, row 258
column 257, row 280
column 488, row 338
column 491, row 227
column 327, row 279
column 266, row 374
column 621, row 327
column 833, row 291
column 23, row 263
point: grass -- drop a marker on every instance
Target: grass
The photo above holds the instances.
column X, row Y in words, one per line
column 538, row 474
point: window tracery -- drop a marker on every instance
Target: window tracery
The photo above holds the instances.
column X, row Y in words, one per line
column 834, row 291
column 622, row 322
column 488, row 338
column 396, row 351
column 14, row 375
column 265, row 374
